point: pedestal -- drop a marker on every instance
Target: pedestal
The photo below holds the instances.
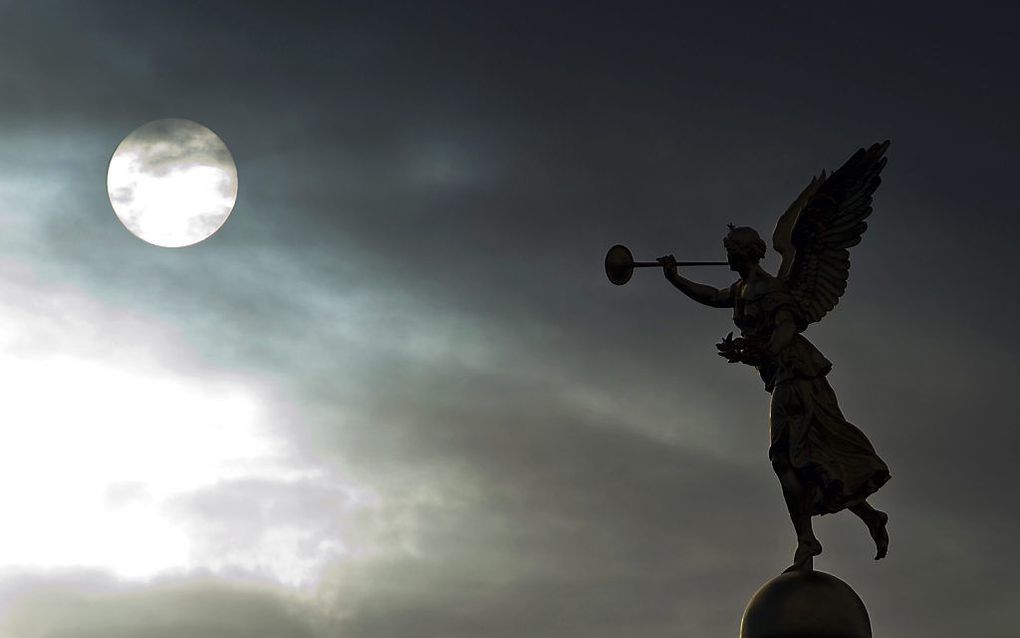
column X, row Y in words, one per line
column 805, row 604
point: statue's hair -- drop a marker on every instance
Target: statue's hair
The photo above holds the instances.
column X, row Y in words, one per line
column 745, row 240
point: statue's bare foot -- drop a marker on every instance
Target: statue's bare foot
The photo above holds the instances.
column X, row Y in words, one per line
column 878, row 532
column 803, row 557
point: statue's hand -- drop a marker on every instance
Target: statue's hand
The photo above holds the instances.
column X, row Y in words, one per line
column 730, row 348
column 741, row 350
column 668, row 266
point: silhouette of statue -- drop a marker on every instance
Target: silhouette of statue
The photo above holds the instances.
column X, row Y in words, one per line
column 824, row 463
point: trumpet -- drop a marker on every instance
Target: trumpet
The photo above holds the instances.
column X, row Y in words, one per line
column 620, row 264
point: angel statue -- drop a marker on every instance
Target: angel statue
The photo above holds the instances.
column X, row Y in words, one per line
column 824, row 463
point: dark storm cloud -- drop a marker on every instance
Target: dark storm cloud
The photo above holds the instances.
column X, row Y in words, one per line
column 427, row 194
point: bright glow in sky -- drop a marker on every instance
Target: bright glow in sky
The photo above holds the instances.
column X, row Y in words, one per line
column 172, row 182
column 94, row 458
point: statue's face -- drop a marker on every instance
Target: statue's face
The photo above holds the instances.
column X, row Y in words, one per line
column 733, row 258
column 736, row 254
column 739, row 255
column 743, row 247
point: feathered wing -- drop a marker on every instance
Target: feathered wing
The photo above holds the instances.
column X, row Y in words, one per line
column 815, row 233
column 782, row 237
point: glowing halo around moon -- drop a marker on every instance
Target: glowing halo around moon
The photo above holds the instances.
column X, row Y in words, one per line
column 172, row 182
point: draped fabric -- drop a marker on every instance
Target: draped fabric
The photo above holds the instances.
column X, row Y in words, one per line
column 831, row 455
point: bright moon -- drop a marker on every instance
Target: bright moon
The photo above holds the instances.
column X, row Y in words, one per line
column 172, row 182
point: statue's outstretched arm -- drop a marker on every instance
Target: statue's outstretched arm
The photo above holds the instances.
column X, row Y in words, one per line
column 702, row 293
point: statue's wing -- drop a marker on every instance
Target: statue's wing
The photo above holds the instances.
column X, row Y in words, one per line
column 782, row 237
column 827, row 219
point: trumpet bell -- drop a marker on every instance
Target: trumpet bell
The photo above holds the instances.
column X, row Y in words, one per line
column 619, row 264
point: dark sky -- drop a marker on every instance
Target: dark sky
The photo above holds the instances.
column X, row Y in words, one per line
column 395, row 395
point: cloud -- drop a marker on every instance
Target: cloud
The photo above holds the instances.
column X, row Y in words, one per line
column 90, row 605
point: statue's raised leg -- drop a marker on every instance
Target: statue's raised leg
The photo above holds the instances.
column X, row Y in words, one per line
column 876, row 521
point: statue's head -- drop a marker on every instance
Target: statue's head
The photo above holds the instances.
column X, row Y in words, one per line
column 744, row 246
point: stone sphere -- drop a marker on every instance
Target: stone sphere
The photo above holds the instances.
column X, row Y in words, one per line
column 805, row 604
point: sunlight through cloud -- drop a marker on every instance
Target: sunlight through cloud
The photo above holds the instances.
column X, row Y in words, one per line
column 96, row 461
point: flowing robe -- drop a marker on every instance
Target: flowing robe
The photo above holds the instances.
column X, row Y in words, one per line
column 831, row 456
